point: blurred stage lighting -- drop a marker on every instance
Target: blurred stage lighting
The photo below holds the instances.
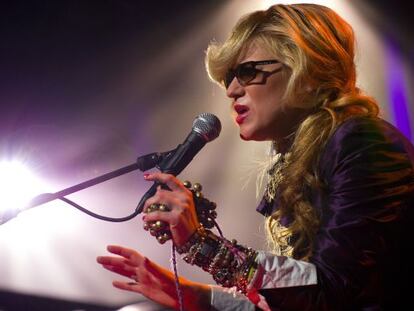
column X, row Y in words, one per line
column 18, row 185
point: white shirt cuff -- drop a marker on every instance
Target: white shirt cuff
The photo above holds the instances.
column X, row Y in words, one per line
column 228, row 299
column 280, row 271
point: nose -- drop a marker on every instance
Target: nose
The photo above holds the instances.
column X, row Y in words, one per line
column 235, row 89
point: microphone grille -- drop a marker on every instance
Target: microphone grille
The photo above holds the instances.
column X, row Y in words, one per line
column 207, row 125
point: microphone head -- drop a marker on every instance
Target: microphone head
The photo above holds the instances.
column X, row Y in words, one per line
column 207, row 125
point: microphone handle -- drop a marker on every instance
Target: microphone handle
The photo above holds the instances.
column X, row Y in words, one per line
column 182, row 155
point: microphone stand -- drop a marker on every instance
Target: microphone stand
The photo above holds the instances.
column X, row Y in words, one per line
column 143, row 163
column 47, row 197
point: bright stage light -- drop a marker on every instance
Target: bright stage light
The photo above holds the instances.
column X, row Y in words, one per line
column 17, row 186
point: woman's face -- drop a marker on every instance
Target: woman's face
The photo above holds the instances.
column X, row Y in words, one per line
column 257, row 107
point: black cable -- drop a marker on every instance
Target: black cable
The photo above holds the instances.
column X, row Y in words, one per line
column 101, row 217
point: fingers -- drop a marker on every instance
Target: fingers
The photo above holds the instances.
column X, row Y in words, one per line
column 125, row 265
column 171, row 181
column 169, row 198
column 125, row 252
column 156, row 294
column 163, row 216
column 148, row 279
column 115, row 261
column 126, row 271
column 178, row 203
column 118, row 265
column 130, row 256
column 129, row 286
column 180, row 215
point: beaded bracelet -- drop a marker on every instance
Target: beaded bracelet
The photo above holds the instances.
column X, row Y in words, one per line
column 230, row 264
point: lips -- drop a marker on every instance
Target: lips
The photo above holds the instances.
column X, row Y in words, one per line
column 242, row 112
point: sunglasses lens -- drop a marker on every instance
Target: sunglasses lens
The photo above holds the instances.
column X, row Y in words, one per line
column 229, row 77
column 245, row 74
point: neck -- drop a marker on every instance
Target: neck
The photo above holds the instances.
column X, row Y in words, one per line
column 283, row 145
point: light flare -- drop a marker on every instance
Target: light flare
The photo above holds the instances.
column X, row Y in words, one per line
column 18, row 185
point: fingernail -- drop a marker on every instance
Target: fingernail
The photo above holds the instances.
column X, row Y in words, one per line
column 146, row 175
column 143, row 218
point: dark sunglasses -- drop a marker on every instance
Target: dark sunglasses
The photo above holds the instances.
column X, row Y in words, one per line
column 246, row 72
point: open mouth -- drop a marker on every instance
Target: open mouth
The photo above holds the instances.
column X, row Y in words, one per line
column 242, row 112
column 241, row 109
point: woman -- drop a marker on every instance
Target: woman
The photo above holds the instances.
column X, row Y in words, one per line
column 337, row 202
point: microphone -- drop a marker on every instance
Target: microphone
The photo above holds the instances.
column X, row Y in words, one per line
column 206, row 127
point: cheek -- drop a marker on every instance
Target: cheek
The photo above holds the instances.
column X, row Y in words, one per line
column 271, row 107
column 267, row 99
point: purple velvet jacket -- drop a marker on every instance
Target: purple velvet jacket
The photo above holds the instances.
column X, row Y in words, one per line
column 362, row 250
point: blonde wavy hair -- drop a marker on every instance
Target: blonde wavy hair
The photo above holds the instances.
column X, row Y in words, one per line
column 317, row 46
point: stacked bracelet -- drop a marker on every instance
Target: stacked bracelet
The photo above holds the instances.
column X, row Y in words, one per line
column 201, row 248
column 230, row 264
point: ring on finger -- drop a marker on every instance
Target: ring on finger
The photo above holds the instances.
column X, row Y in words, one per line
column 158, row 207
column 156, row 225
column 163, row 236
column 158, row 228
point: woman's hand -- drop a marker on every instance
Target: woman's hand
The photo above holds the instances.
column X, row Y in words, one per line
column 152, row 280
column 182, row 217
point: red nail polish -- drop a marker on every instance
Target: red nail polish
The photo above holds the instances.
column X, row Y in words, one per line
column 146, row 175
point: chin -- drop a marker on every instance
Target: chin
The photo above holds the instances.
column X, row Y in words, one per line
column 244, row 137
column 254, row 134
column 251, row 137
